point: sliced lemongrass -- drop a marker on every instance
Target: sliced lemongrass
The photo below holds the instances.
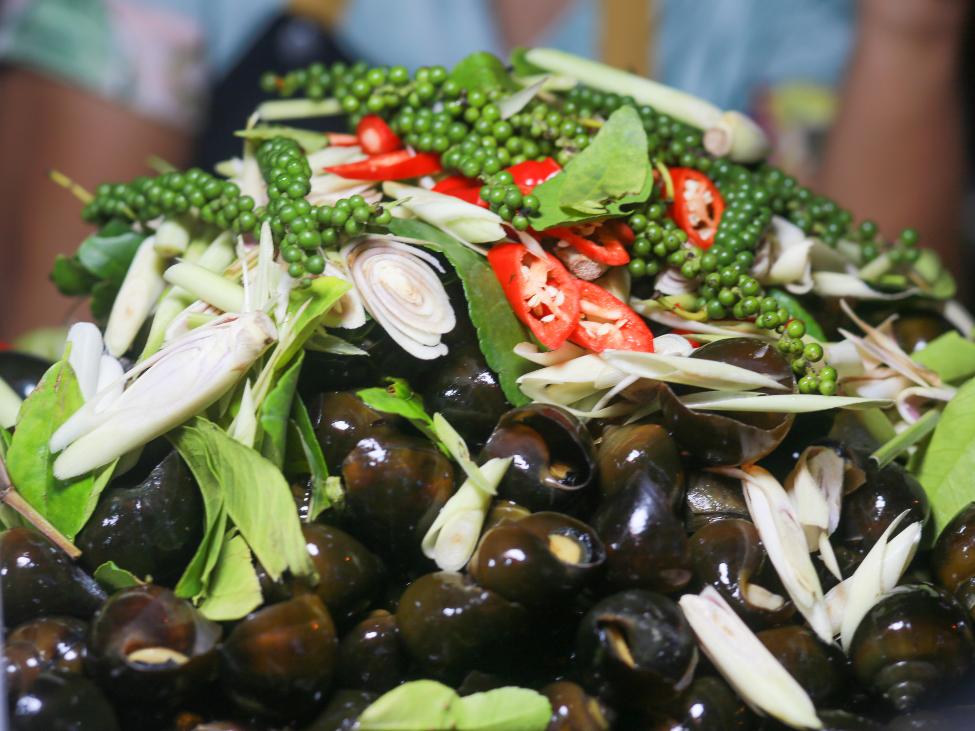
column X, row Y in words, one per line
column 792, row 403
column 110, row 374
column 688, row 371
column 511, row 105
column 196, row 319
column 671, row 282
column 348, row 312
column 671, row 344
column 244, row 426
column 468, row 223
column 747, row 665
column 9, row 405
column 178, row 382
column 207, row 286
column 549, row 395
column 584, row 369
column 564, row 353
column 272, row 111
column 876, row 575
column 457, row 448
column 617, row 281
column 401, row 291
column 452, row 538
column 837, row 284
column 267, row 273
column 961, row 318
column 845, row 358
column 911, row 400
column 85, row 356
column 738, row 137
column 778, row 526
column 815, row 487
column 140, row 290
column 173, row 235
column 332, row 156
column 907, row 438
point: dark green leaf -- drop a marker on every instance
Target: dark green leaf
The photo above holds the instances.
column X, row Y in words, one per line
column 551, row 214
column 234, row 590
column 612, row 166
column 108, row 253
column 256, row 495
column 276, row 410
column 29, row 459
column 309, row 140
column 5, row 438
column 400, row 399
column 320, row 296
column 796, row 311
column 482, row 71
column 498, row 330
column 194, row 580
column 949, row 463
column 950, row 355
column 522, row 66
column 112, row 578
column 314, row 456
column 102, row 298
column 70, row 277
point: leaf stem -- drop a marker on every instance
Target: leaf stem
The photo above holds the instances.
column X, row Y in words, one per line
column 65, row 182
column 10, row 496
column 889, row 451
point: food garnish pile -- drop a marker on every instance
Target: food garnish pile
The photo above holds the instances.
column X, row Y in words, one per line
column 539, row 399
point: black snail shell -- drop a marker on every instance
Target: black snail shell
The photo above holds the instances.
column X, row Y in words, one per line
column 731, row 437
column 953, row 557
column 870, row 508
column 60, row 642
column 340, row 421
column 647, row 448
column 59, row 702
column 553, row 466
column 575, row 710
column 636, row 650
column 371, row 656
column 711, row 497
column 913, row 644
column 819, row 668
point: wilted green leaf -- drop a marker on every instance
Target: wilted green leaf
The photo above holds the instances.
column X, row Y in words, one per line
column 233, row 590
column 313, row 454
column 276, row 410
column 320, row 296
column 400, row 399
column 550, row 213
column 113, row 578
column 482, row 71
column 950, row 355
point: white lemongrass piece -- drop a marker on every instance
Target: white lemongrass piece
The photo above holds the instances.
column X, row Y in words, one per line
column 816, row 489
column 207, row 286
column 784, row 257
column 401, row 291
column 244, row 426
column 877, row 353
column 334, row 155
column 370, row 194
column 110, row 374
column 173, row 236
column 880, row 383
column 876, row 268
column 532, row 244
column 835, row 602
column 651, row 309
column 778, row 526
column 910, row 400
column 250, row 180
column 877, row 574
column 566, row 352
column 792, row 403
column 829, row 559
column 85, row 356
column 955, row 312
column 671, row 281
column 738, row 137
column 348, row 312
column 585, row 369
column 604, row 400
column 469, row 223
column 689, row 371
column 509, row 106
column 9, row 405
column 836, row 284
column 282, row 295
column 180, row 381
column 265, row 271
column 845, row 358
column 671, row 344
column 140, row 290
column 747, row 665
column 827, row 259
column 332, row 183
column 452, row 538
column 545, row 395
column 617, row 281
column 457, row 448
column 892, row 354
column 277, row 109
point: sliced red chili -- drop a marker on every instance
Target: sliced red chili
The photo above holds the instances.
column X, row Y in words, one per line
column 459, row 186
column 606, row 323
column 541, row 292
column 697, row 207
column 397, row 165
column 376, row 137
column 609, row 251
column 340, row 139
column 526, row 175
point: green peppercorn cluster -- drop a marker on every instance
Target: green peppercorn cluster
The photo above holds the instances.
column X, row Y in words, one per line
column 904, row 249
column 173, row 193
column 506, row 199
column 802, row 355
column 658, row 243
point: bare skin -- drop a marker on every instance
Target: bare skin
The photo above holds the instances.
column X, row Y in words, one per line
column 895, row 154
column 45, row 124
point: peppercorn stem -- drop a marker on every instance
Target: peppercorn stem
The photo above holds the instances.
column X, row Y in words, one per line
column 65, row 182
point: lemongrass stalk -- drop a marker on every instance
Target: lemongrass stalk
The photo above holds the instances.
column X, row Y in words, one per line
column 298, row 109
column 469, row 223
column 85, row 356
column 173, row 235
column 182, row 380
column 207, row 286
column 9, row 405
column 907, row 438
column 140, row 290
column 198, row 319
column 727, row 133
column 688, row 371
column 110, row 373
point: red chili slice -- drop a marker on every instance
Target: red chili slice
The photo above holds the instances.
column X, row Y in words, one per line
column 605, row 323
column 526, row 175
column 340, row 139
column 397, row 165
column 697, row 205
column 610, row 251
column 376, row 137
column 541, row 292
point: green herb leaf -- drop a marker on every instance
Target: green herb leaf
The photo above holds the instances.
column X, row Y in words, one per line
column 29, row 459
column 193, row 582
column 113, row 578
column 234, row 590
column 551, row 214
column 521, row 65
column 314, row 456
column 70, row 276
column 275, row 412
column 400, row 399
column 108, row 253
column 498, row 330
column 796, row 311
column 320, row 296
column 425, row 705
column 5, row 438
column 103, row 297
column 949, row 463
column 309, row 140
column 256, row 495
column 481, row 71
column 950, row 355
column 457, row 448
column 609, row 168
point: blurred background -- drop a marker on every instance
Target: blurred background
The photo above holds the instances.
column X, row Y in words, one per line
column 868, row 101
